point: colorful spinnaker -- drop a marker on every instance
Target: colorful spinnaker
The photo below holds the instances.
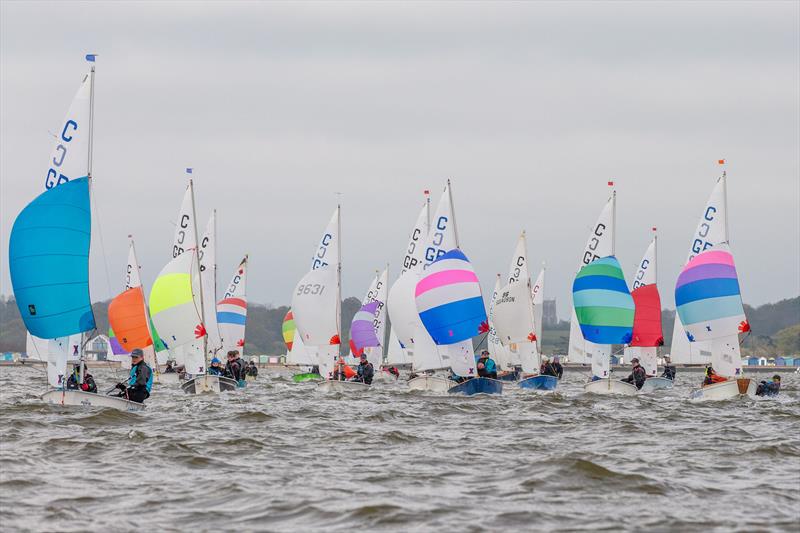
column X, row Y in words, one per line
column 288, row 329
column 232, row 310
column 602, row 303
column 708, row 298
column 127, row 318
column 172, row 306
column 362, row 328
column 449, row 300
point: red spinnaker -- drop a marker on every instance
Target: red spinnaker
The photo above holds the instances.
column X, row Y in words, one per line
column 647, row 317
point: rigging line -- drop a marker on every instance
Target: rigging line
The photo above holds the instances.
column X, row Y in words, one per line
column 102, row 245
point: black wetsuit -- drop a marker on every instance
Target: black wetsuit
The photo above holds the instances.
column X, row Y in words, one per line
column 88, row 384
column 768, row 388
column 365, row 373
column 252, row 370
column 235, row 369
column 547, row 369
column 139, row 383
column 669, row 372
column 559, row 370
column 637, row 377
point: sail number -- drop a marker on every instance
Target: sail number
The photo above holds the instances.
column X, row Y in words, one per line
column 434, row 252
column 409, row 261
column 54, row 176
column 700, row 243
column 315, row 289
column 319, row 258
column 180, row 237
column 589, row 255
column 640, row 274
column 233, row 286
column 518, row 264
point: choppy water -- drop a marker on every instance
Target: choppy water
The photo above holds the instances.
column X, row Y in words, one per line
column 280, row 456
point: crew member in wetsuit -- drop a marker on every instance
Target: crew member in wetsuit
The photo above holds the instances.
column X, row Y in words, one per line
column 769, row 388
column 393, row 371
column 547, row 368
column 558, row 368
column 638, row 375
column 170, row 368
column 314, row 369
column 140, row 382
column 486, row 366
column 252, row 369
column 365, row 371
column 669, row 369
column 215, row 369
column 73, row 382
column 234, row 368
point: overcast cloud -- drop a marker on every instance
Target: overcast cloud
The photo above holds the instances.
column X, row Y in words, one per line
column 530, row 108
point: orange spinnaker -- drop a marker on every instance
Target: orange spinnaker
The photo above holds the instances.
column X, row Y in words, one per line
column 127, row 319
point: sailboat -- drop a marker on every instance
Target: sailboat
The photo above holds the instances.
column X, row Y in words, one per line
column 177, row 305
column 604, row 308
column 403, row 316
column 296, row 353
column 709, row 304
column 515, row 323
column 712, row 229
column 49, row 253
column 647, row 333
column 368, row 327
column 317, row 306
column 127, row 315
column 601, row 243
column 499, row 352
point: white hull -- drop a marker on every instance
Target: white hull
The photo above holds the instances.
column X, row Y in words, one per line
column 341, row 386
column 430, row 384
column 726, row 390
column 383, row 377
column 610, row 386
column 166, row 379
column 208, row 384
column 87, row 399
column 656, row 383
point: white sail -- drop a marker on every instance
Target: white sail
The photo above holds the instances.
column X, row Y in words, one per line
column 69, row 159
column 460, row 357
column 711, row 231
column 513, row 320
column 600, row 356
column 185, row 231
column 497, row 350
column 537, row 293
column 207, row 253
column 378, row 291
column 192, row 357
column 399, row 351
column 132, row 276
column 299, row 355
column 426, row 356
column 403, row 309
column 327, row 252
column 231, row 311
column 60, row 352
column 647, row 356
column 726, row 356
column 646, row 274
column 314, row 307
column 600, row 244
column 36, row 348
column 442, row 236
column 518, row 271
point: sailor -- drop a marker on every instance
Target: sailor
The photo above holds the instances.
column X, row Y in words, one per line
column 140, row 382
column 74, row 383
column 486, row 366
column 393, row 371
column 669, row 369
column 769, row 388
column 170, row 368
column 547, row 368
column 365, row 371
column 314, row 369
column 638, row 375
column 558, row 368
column 252, row 369
column 216, row 367
column 339, row 373
column 234, row 368
column 712, row 377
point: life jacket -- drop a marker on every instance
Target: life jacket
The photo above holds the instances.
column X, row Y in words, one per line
column 135, row 374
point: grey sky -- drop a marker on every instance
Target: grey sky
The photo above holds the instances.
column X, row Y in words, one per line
column 528, row 107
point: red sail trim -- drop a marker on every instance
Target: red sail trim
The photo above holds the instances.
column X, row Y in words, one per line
column 647, row 317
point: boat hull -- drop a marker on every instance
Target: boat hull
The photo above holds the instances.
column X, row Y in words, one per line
column 726, row 390
column 88, row 399
column 475, row 386
column 539, row 383
column 384, row 377
column 209, row 384
column 341, row 386
column 167, row 379
column 610, row 386
column 656, row 383
column 429, row 384
column 308, row 376
column 510, row 376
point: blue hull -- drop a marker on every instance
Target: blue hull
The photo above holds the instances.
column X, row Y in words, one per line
column 539, row 383
column 478, row 386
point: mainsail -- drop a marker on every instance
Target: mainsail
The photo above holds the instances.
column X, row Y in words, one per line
column 604, row 308
column 712, row 229
column 501, row 354
column 600, row 244
column 232, row 311
column 647, row 333
column 709, row 304
column 207, row 254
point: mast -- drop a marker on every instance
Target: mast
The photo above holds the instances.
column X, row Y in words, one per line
column 89, row 57
column 724, row 179
column 613, row 219
column 427, row 212
column 453, row 213
column 199, row 274
column 146, row 312
column 339, row 273
column 214, row 284
column 655, row 255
